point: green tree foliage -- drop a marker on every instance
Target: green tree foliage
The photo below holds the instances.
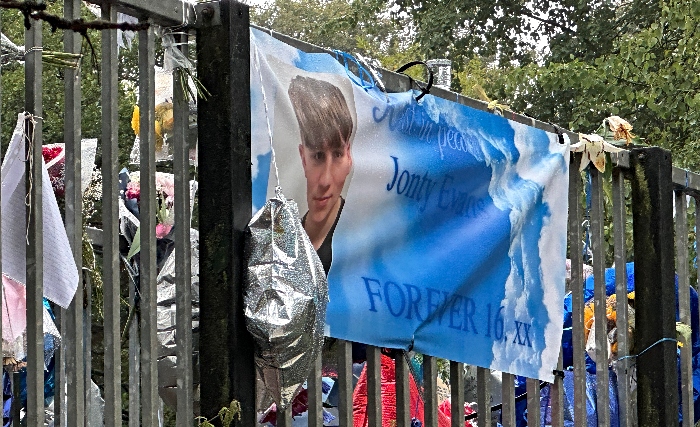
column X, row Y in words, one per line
column 369, row 28
column 54, row 83
column 649, row 76
column 511, row 29
column 569, row 62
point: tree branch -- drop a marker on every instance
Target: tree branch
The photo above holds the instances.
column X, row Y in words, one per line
column 81, row 26
column 549, row 22
column 37, row 11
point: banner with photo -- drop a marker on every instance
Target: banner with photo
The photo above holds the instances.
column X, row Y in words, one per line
column 442, row 228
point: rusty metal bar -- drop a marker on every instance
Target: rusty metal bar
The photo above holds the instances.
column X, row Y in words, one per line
column 686, row 361
column 601, row 323
column 150, row 401
column 110, row 225
column 576, row 248
column 183, row 255
column 35, row 240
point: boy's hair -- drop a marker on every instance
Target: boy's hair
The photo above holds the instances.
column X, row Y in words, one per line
column 322, row 112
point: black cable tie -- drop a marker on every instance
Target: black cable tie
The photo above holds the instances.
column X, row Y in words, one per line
column 424, row 89
column 27, row 24
column 559, row 132
column 558, row 373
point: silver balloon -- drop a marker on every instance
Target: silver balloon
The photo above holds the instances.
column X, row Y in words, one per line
column 286, row 293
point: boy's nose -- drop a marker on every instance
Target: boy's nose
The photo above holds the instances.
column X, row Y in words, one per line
column 326, row 175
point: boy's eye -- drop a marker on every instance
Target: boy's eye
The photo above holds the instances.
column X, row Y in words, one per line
column 338, row 154
column 318, row 155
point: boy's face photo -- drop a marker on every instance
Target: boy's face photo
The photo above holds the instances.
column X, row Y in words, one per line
column 326, row 169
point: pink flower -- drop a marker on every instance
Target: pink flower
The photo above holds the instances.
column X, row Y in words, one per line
column 163, row 230
column 165, row 184
column 133, row 190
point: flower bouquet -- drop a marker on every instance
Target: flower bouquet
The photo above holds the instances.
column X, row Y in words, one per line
column 164, row 215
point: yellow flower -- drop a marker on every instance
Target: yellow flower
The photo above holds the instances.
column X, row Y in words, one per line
column 164, row 121
column 135, row 120
column 159, row 134
column 621, row 128
column 164, row 115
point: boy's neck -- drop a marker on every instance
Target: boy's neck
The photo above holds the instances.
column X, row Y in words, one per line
column 318, row 231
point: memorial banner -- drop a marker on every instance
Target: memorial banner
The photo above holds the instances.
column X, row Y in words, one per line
column 442, row 228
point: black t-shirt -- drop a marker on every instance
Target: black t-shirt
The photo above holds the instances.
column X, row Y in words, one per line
column 325, row 251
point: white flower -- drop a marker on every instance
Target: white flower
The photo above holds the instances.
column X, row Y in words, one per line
column 593, row 148
column 621, row 128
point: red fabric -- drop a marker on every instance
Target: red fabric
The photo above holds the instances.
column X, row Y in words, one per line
column 445, row 409
column 55, row 162
column 300, row 404
column 388, row 390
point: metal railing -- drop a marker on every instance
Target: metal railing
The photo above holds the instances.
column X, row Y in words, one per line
column 74, row 366
column 224, row 210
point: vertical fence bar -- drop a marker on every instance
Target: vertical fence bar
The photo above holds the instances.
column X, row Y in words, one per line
column 576, row 249
column 374, row 383
column 147, row 208
column 483, row 397
column 403, row 398
column 457, row 395
column 87, row 342
column 533, row 402
column 508, row 400
column 696, row 243
column 557, row 395
column 284, row 417
column 110, row 224
column 225, row 204
column 655, row 334
column 344, row 383
column 430, row 390
column 134, row 361
column 619, row 226
column 183, row 268
column 315, row 390
column 35, row 238
column 72, row 136
column 15, row 411
column 601, row 323
column 2, row 293
column 684, row 306
column 60, row 407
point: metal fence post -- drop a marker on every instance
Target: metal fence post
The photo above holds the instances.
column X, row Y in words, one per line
column 150, row 401
column 110, row 225
column 75, row 343
column 2, row 293
column 225, row 201
column 35, row 221
column 657, row 376
column 183, row 269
